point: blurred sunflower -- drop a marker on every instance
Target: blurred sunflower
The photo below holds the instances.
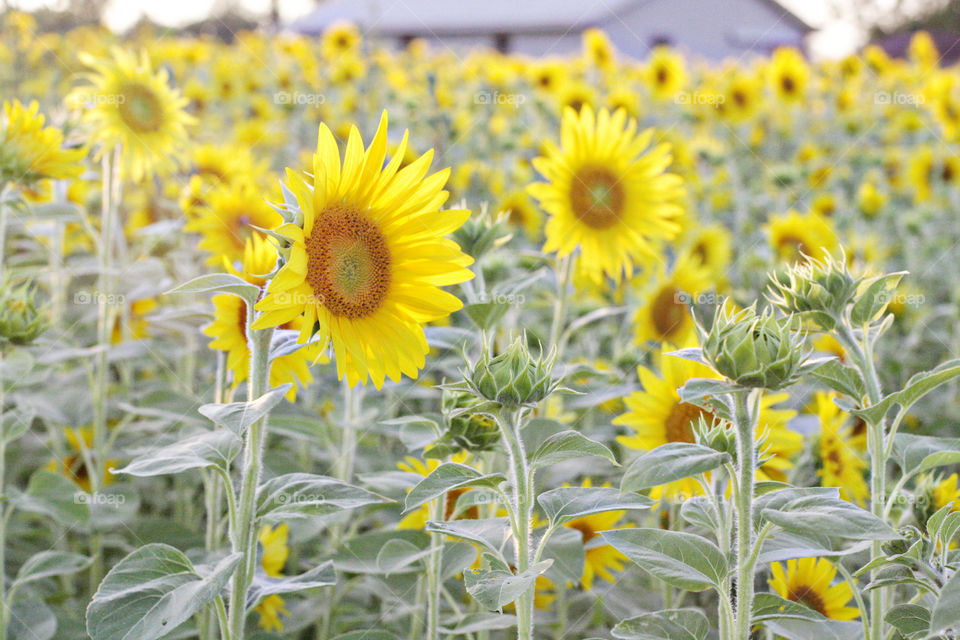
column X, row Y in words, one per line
column 29, row 151
column 809, row 582
column 945, row 492
column 229, row 326
column 666, row 74
column 788, row 75
column 840, row 463
column 366, row 257
column 600, row 559
column 275, row 554
column 340, row 39
column 793, row 235
column 73, row 465
column 130, row 106
column 664, row 315
column 603, row 196
column 229, row 220
column 658, row 415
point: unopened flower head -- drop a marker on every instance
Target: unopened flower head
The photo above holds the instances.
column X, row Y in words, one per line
column 467, row 427
column 20, row 321
column 818, row 288
column 513, row 378
column 755, row 350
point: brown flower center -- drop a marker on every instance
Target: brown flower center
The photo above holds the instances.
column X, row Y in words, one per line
column 808, row 596
column 668, row 312
column 679, row 424
column 140, row 109
column 586, row 531
column 597, row 197
column 348, row 263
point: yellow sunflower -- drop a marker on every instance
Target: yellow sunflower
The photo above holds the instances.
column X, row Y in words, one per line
column 809, row 582
column 366, row 257
column 841, row 465
column 945, row 492
column 664, row 315
column 275, row 553
column 130, row 106
column 793, row 234
column 657, row 415
column 709, row 247
column 788, row 75
column 600, row 559
column 597, row 49
column 29, row 151
column 666, row 73
column 603, row 196
column 340, row 39
column 229, row 220
column 72, row 465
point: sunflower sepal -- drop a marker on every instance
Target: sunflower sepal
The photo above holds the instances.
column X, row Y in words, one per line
column 513, row 378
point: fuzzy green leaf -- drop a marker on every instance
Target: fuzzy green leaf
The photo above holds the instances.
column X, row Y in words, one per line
column 568, row 445
column 682, row 560
column 675, row 624
column 670, row 462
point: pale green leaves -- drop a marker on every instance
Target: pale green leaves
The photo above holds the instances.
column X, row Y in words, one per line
column 220, row 282
column 675, row 624
column 210, row 449
column 682, row 560
column 670, row 462
column 567, row 445
column 494, row 588
column 151, row 592
column 447, row 477
column 238, row 416
column 298, row 495
column 917, row 387
column 566, row 504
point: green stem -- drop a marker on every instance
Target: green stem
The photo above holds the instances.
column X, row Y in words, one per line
column 522, row 507
column 433, row 572
column 744, row 423
column 564, row 272
column 242, row 531
column 4, row 602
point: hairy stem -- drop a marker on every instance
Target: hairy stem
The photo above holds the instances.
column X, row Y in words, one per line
column 744, row 424
column 522, row 508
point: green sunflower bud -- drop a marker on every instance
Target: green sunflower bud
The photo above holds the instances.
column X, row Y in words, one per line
column 20, row 321
column 481, row 233
column 760, row 351
column 513, row 378
column 467, row 428
column 718, row 435
column 819, row 289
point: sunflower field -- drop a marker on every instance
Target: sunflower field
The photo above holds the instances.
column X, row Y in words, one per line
column 572, row 348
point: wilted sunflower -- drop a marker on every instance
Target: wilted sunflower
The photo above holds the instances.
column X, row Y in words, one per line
column 275, row 553
column 130, row 106
column 366, row 257
column 30, row 152
column 658, row 415
column 603, row 196
column 808, row 581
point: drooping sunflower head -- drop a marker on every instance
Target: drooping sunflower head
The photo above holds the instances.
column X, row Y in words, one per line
column 29, row 151
column 129, row 105
column 604, row 194
column 809, row 581
column 365, row 256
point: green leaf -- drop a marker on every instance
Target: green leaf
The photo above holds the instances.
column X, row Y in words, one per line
column 211, row 449
column 16, row 422
column 770, row 606
column 446, row 477
column 566, row 548
column 488, row 533
column 841, row 378
column 31, row 619
column 670, row 462
column 482, row 621
column 909, row 619
column 360, row 553
column 486, row 314
column 916, row 454
column 298, row 495
column 916, row 387
column 238, row 416
column 682, row 560
column 674, row 624
column 151, row 592
column 52, row 495
column 946, row 613
column 47, row 564
column 871, row 303
column 815, row 514
column 322, row 575
column 220, row 282
column 495, row 588
column 400, row 555
column 564, row 504
column 700, row 511
column 568, row 445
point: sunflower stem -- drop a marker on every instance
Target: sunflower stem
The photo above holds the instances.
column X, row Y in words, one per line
column 564, row 271
column 522, row 507
column 433, row 572
column 744, row 423
column 4, row 602
column 243, row 532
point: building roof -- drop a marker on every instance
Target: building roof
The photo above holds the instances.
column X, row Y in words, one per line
column 462, row 17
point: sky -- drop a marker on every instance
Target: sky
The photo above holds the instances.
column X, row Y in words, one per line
column 834, row 38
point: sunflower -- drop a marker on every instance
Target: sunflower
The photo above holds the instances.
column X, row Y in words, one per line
column 840, row 463
column 666, row 73
column 664, row 315
column 945, row 492
column 132, row 107
column 230, row 219
column 340, row 39
column 72, row 465
column 793, row 235
column 522, row 212
column 658, row 415
column 870, row 199
column 30, row 152
column 366, row 257
column 275, row 553
column 788, row 75
column 709, row 247
column 808, row 581
column 597, row 49
column 603, row 196
column 137, row 326
column 229, row 327
column 741, row 97
column 600, row 559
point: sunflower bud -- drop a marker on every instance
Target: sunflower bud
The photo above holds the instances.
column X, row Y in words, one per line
column 818, row 289
column 513, row 378
column 755, row 351
column 481, row 233
column 20, row 321
column 718, row 435
column 466, row 427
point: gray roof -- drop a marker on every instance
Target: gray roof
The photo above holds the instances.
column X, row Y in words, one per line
column 445, row 17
